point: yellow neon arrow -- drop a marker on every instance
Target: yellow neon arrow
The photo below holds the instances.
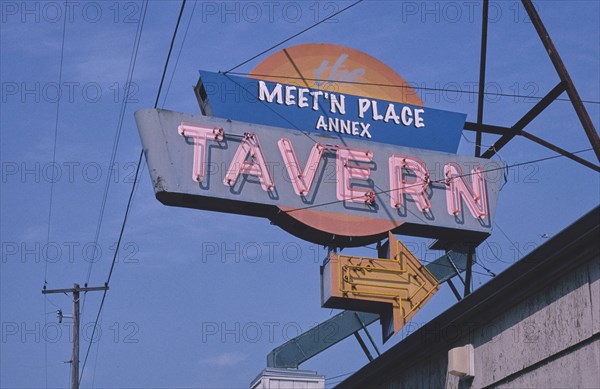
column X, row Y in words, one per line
column 400, row 280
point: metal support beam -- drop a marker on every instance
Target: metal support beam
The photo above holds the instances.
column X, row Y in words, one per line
column 454, row 290
column 482, row 60
column 508, row 131
column 540, row 106
column 488, row 128
column 319, row 338
column 363, row 346
column 324, row 335
column 456, row 270
column 449, row 264
column 582, row 113
column 468, row 272
column 369, row 335
column 525, row 120
column 559, row 150
column 566, row 84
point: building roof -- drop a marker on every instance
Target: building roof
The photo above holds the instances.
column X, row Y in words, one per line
column 566, row 251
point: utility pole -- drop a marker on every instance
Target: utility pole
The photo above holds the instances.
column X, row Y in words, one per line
column 75, row 354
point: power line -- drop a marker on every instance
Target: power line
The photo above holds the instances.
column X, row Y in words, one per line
column 492, row 252
column 155, row 106
column 338, row 376
column 131, row 70
column 442, row 180
column 162, row 79
column 488, row 273
column 301, row 77
column 268, row 106
column 62, row 51
column 506, row 167
column 62, row 56
column 507, row 238
column 179, row 53
column 293, row 36
column 491, row 273
column 470, row 92
column 388, row 191
column 452, row 267
column 134, row 186
column 68, row 376
column 55, row 306
column 130, row 200
column 96, row 361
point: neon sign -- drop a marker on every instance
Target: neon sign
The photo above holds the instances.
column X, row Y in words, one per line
column 328, row 192
column 249, row 159
column 328, row 143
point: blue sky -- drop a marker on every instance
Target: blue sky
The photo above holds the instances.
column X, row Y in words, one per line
column 178, row 314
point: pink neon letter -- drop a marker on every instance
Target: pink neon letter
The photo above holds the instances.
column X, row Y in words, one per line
column 256, row 166
column 346, row 172
column 458, row 188
column 301, row 180
column 200, row 135
column 399, row 186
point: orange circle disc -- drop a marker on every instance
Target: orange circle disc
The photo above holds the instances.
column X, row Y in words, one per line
column 343, row 70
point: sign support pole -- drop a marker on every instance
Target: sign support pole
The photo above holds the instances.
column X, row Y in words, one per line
column 468, row 271
column 367, row 332
column 363, row 346
column 76, row 290
column 582, row 113
column 482, row 60
column 454, row 290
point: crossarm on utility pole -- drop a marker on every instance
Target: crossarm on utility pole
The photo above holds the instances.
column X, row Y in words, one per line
column 75, row 290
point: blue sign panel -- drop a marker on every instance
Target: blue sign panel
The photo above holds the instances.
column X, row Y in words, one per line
column 327, row 112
